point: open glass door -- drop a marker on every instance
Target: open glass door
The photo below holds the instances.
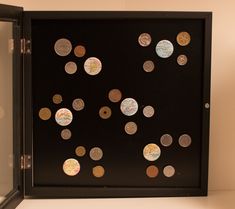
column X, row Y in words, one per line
column 11, row 187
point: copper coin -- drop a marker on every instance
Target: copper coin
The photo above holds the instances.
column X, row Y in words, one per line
column 63, row 116
column 148, row 111
column 182, row 59
column 71, row 167
column 164, row 48
column 66, row 134
column 79, row 51
column 98, row 171
column 131, row 128
column 115, row 95
column 2, row 112
column 63, row 47
column 57, row 99
column 96, row 153
column 78, row 104
column 129, row 106
column 169, row 171
column 92, row 66
column 105, row 112
column 185, row 140
column 144, row 39
column 45, row 113
column 151, row 152
column 70, row 67
column 183, row 38
column 152, row 171
column 80, row 151
column 166, row 140
column 148, row 66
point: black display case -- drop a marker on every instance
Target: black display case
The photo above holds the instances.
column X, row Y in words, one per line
column 164, row 152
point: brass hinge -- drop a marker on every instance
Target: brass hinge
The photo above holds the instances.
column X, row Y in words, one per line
column 26, row 162
column 25, row 46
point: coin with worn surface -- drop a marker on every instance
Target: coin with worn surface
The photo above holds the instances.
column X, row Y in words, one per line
column 152, row 171
column 148, row 111
column 2, row 112
column 164, row 48
column 71, row 167
column 78, row 104
column 148, row 66
column 45, row 113
column 131, row 128
column 79, row 51
column 70, row 67
column 185, row 140
column 144, row 39
column 129, row 106
column 183, row 38
column 98, row 171
column 151, row 152
column 63, row 47
column 80, row 151
column 166, row 140
column 105, row 112
column 57, row 99
column 92, row 66
column 115, row 95
column 169, row 171
column 63, row 116
column 182, row 59
column 66, row 134
column 96, row 153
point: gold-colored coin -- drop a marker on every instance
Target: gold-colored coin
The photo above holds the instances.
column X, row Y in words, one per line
column 152, row 171
column 98, row 171
column 148, row 111
column 151, row 152
column 78, row 104
column 105, row 112
column 66, row 134
column 45, row 113
column 92, row 66
column 79, row 51
column 144, row 39
column 115, row 95
column 183, row 38
column 57, row 99
column 80, row 151
column 182, row 59
column 148, row 66
column 96, row 153
column 131, row 128
column 71, row 167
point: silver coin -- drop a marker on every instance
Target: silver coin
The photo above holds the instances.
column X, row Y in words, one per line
column 164, row 48
column 96, row 153
column 185, row 140
column 151, row 152
column 78, row 104
column 63, row 47
column 66, row 134
column 63, row 116
column 166, row 140
column 129, row 106
column 169, row 171
column 70, row 67
column 71, row 167
column 92, row 66
column 148, row 111
column 148, row 66
column 2, row 112
column 144, row 39
column 131, row 128
column 182, row 59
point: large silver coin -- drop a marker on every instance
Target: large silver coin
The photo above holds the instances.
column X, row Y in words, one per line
column 151, row 152
column 70, row 67
column 144, row 39
column 148, row 66
column 78, row 104
column 148, row 111
column 71, row 167
column 164, row 48
column 92, row 66
column 129, row 106
column 63, row 116
column 185, row 140
column 169, row 171
column 96, row 153
column 63, row 47
column 166, row 140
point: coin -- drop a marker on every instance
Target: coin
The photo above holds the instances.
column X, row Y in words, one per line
column 151, row 152
column 98, row 171
column 166, row 140
column 169, row 171
column 164, row 48
column 71, row 167
column 63, row 116
column 130, row 128
column 57, row 99
column 63, row 47
column 79, row 51
column 45, row 113
column 78, row 104
column 129, row 106
column 105, row 112
column 115, row 95
column 152, row 171
column 185, row 140
column 144, row 39
column 148, row 66
column 92, row 66
column 96, row 153
column 182, row 59
column 2, row 112
column 80, row 151
column 66, row 134
column 148, row 111
column 183, row 38
column 70, row 67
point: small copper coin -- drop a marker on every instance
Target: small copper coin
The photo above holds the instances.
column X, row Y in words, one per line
column 131, row 128
column 183, row 38
column 169, row 171
column 66, row 134
column 152, row 171
column 129, row 106
column 98, row 171
column 70, row 67
column 185, row 140
column 71, row 167
column 144, row 39
column 148, row 66
column 45, row 113
column 79, row 51
column 166, row 140
column 92, row 66
column 105, row 112
column 63, row 47
column 115, row 95
column 96, row 153
column 148, row 111
column 80, row 151
column 182, row 59
column 57, row 99
column 151, row 152
column 63, row 116
column 78, row 104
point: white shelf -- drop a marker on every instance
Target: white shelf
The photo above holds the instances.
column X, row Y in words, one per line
column 215, row 200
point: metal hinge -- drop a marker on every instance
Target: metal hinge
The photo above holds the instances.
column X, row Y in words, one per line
column 26, row 162
column 25, row 46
